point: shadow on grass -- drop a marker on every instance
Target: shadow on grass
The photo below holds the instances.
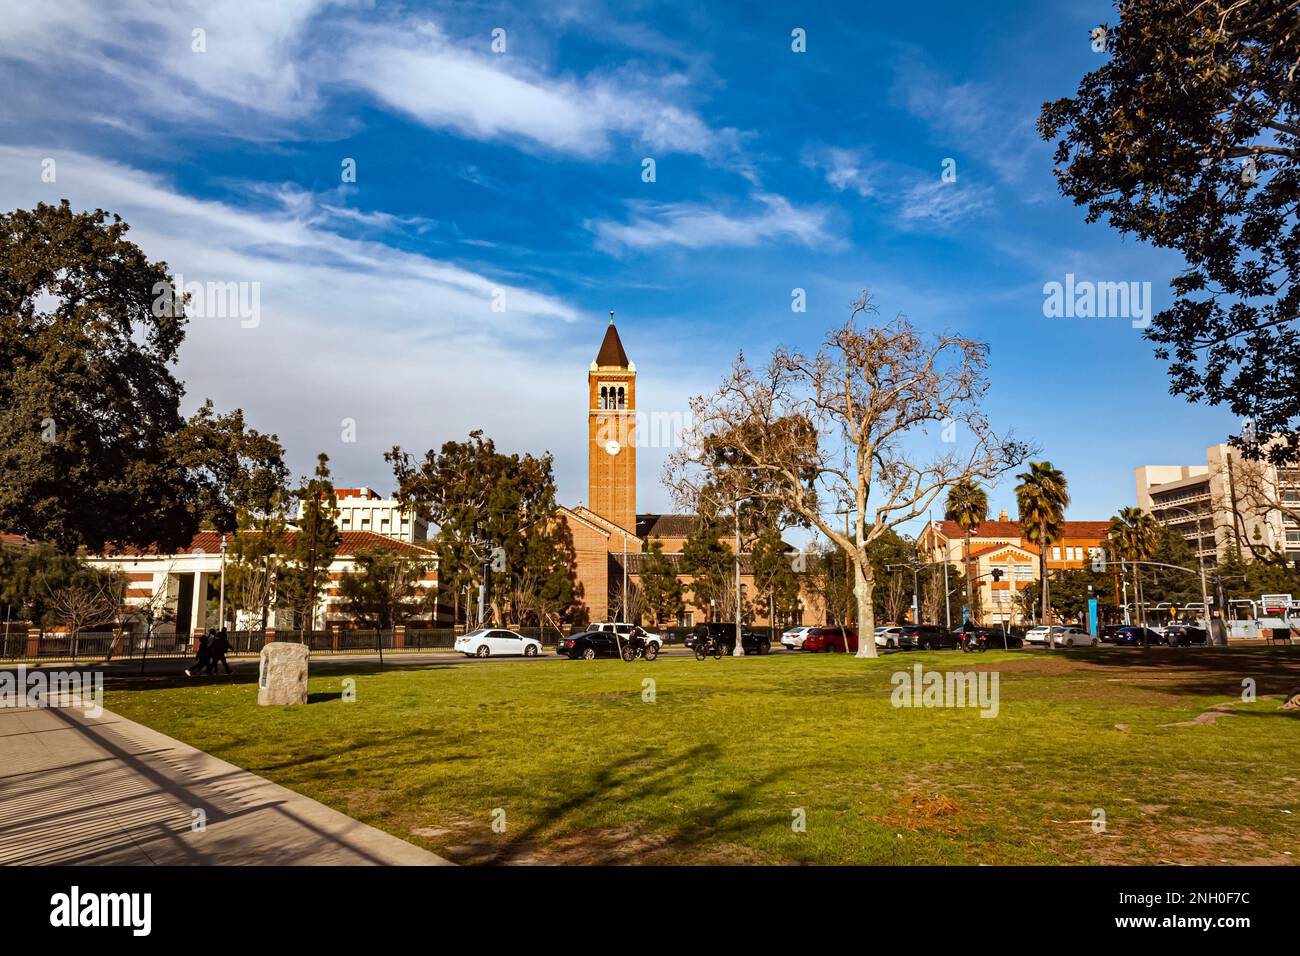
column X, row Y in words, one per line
column 636, row 777
column 1196, row 671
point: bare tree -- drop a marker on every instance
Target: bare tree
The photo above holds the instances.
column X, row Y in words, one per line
column 844, row 430
column 92, row 597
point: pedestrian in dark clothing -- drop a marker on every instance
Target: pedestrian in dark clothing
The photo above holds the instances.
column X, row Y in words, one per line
column 204, row 652
column 220, row 644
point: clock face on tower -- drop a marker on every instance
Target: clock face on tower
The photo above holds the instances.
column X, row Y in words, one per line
column 612, row 447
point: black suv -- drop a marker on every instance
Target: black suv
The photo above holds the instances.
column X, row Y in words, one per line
column 1184, row 635
column 926, row 637
column 725, row 635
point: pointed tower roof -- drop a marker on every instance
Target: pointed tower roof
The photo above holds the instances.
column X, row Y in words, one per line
column 611, row 354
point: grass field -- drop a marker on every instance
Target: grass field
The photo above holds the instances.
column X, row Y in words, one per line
column 713, row 770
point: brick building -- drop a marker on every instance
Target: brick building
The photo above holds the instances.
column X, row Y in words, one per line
column 609, row 537
column 1001, row 544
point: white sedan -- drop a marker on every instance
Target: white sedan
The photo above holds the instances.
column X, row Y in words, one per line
column 793, row 638
column 888, row 636
column 487, row 641
column 1073, row 637
column 1038, row 635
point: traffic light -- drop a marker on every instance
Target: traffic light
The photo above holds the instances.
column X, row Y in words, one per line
column 997, row 574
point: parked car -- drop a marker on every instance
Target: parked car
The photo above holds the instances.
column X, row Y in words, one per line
column 992, row 636
column 1040, row 635
column 831, row 640
column 1108, row 633
column 1184, row 635
column 926, row 637
column 888, row 635
column 489, row 641
column 725, row 634
column 626, row 631
column 793, row 638
column 1074, row 637
column 1132, row 635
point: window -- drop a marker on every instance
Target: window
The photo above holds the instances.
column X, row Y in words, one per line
column 1056, row 554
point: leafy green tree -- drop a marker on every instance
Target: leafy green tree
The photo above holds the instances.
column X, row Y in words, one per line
column 384, row 588
column 311, row 550
column 890, row 602
column 1165, row 585
column 1132, row 537
column 710, row 562
column 88, row 402
column 481, row 499
column 29, row 576
column 968, row 506
column 236, row 471
column 1188, row 137
column 661, row 589
column 1072, row 588
column 1042, row 497
column 775, row 579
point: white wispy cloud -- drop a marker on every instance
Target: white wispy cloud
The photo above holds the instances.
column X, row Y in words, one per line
column 697, row 226
column 844, row 169
column 481, row 95
column 406, row 345
column 940, row 205
column 261, row 64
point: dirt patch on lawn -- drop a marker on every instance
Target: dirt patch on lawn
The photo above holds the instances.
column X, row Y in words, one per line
column 922, row 811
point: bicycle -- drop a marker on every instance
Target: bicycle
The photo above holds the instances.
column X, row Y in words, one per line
column 635, row 648
column 707, row 648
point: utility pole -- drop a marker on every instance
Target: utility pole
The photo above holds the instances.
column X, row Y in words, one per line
column 624, row 612
column 739, row 649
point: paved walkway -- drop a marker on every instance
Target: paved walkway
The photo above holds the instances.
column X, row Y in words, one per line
column 106, row 790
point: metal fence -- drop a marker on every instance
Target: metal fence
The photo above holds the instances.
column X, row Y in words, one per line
column 15, row 644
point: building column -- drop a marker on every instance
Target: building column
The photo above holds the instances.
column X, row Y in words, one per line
column 198, row 603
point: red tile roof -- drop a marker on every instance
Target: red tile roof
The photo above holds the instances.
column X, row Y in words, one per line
column 1011, row 529
column 351, row 542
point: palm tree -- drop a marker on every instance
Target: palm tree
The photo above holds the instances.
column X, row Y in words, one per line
column 1042, row 497
column 968, row 506
column 1133, row 535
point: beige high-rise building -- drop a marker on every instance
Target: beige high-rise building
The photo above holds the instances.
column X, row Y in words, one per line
column 1228, row 500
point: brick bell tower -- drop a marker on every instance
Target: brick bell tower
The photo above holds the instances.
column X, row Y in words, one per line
column 611, row 432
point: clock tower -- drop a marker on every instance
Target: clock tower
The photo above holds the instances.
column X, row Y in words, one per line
column 611, row 432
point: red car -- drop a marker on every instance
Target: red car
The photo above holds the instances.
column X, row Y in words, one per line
column 831, row 640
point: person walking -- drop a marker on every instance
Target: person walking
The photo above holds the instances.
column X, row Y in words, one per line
column 220, row 644
column 204, row 653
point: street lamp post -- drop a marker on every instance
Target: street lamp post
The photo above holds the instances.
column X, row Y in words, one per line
column 221, row 600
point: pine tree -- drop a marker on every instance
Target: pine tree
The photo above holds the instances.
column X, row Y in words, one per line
column 312, row 547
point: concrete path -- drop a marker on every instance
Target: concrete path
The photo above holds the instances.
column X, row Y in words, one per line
column 106, row 790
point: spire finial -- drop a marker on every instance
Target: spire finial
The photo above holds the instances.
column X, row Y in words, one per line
column 611, row 316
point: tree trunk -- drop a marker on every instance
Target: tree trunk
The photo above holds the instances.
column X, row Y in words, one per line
column 863, row 586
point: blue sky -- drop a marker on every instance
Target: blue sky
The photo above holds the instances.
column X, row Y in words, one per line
column 519, row 174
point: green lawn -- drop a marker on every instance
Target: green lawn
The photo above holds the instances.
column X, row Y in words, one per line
column 712, row 770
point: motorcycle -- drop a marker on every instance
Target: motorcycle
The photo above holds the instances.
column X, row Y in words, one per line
column 974, row 643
